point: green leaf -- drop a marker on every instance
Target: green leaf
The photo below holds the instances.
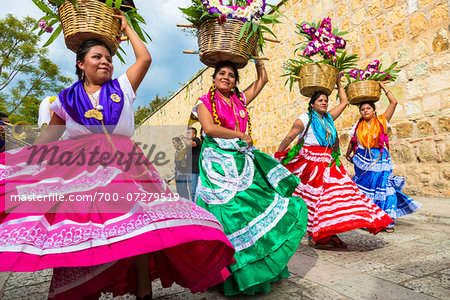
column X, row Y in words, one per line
column 119, row 56
column 43, row 7
column 118, row 4
column 267, row 29
column 53, row 36
column 243, row 30
column 139, row 18
column 109, row 3
column 75, row 3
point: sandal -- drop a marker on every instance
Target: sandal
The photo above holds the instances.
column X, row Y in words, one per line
column 321, row 246
column 333, row 242
column 389, row 230
column 337, row 242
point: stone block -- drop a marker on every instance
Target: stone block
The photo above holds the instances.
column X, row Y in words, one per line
column 444, row 124
column 345, row 25
column 427, row 152
column 353, row 37
column 356, row 50
column 424, row 128
column 380, row 22
column 347, row 121
column 342, row 10
column 440, row 62
column 399, row 31
column 389, row 3
column 383, row 39
column 344, row 139
column 440, row 40
column 413, row 109
column 354, row 4
column 415, row 89
column 404, row 130
column 370, row 44
column 421, row 49
column 359, row 17
column 367, row 29
column 438, row 82
column 439, row 14
column 432, row 103
column 374, row 7
column 403, row 55
column 402, row 154
column 419, row 69
column 397, row 91
column 446, row 174
column 417, row 24
column 425, row 2
column 396, row 15
column 444, row 150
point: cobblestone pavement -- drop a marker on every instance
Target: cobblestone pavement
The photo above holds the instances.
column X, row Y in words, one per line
column 411, row 263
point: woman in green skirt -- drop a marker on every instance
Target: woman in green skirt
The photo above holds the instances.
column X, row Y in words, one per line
column 249, row 192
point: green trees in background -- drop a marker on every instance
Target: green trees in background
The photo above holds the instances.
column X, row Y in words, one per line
column 143, row 112
column 27, row 75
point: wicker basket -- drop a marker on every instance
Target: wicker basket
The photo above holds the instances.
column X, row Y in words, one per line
column 317, row 77
column 219, row 42
column 363, row 91
column 92, row 20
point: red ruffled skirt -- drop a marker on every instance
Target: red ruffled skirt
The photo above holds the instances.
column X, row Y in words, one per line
column 335, row 204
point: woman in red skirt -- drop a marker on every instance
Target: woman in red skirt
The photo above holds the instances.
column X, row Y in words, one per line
column 335, row 204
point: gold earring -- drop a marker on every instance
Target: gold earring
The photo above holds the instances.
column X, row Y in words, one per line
column 82, row 76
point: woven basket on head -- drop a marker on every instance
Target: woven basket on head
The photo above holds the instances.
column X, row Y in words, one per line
column 219, row 42
column 363, row 91
column 317, row 77
column 92, row 20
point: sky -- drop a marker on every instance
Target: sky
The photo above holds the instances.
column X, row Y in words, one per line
column 170, row 68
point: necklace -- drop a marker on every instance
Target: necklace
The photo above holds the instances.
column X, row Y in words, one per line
column 325, row 126
column 96, row 112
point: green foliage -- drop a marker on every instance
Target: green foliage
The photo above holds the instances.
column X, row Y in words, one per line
column 377, row 76
column 26, row 74
column 50, row 9
column 197, row 13
column 142, row 113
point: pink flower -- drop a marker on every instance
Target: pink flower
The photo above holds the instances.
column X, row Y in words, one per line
column 42, row 24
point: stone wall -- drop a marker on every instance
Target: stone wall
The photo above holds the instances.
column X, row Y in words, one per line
column 413, row 32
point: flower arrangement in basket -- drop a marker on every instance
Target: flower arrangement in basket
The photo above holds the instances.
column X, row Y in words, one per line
column 81, row 20
column 363, row 84
column 229, row 32
column 321, row 60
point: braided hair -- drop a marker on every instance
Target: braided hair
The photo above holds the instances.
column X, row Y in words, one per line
column 236, row 91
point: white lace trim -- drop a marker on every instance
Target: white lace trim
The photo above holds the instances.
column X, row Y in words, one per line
column 277, row 174
column 21, row 169
column 35, row 236
column 259, row 226
column 231, row 182
column 85, row 181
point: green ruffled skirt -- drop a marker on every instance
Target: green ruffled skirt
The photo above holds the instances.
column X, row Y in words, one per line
column 251, row 195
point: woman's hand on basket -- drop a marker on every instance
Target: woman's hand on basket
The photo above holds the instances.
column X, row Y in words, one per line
column 124, row 24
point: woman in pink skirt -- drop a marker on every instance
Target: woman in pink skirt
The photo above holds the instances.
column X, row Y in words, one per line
column 93, row 207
